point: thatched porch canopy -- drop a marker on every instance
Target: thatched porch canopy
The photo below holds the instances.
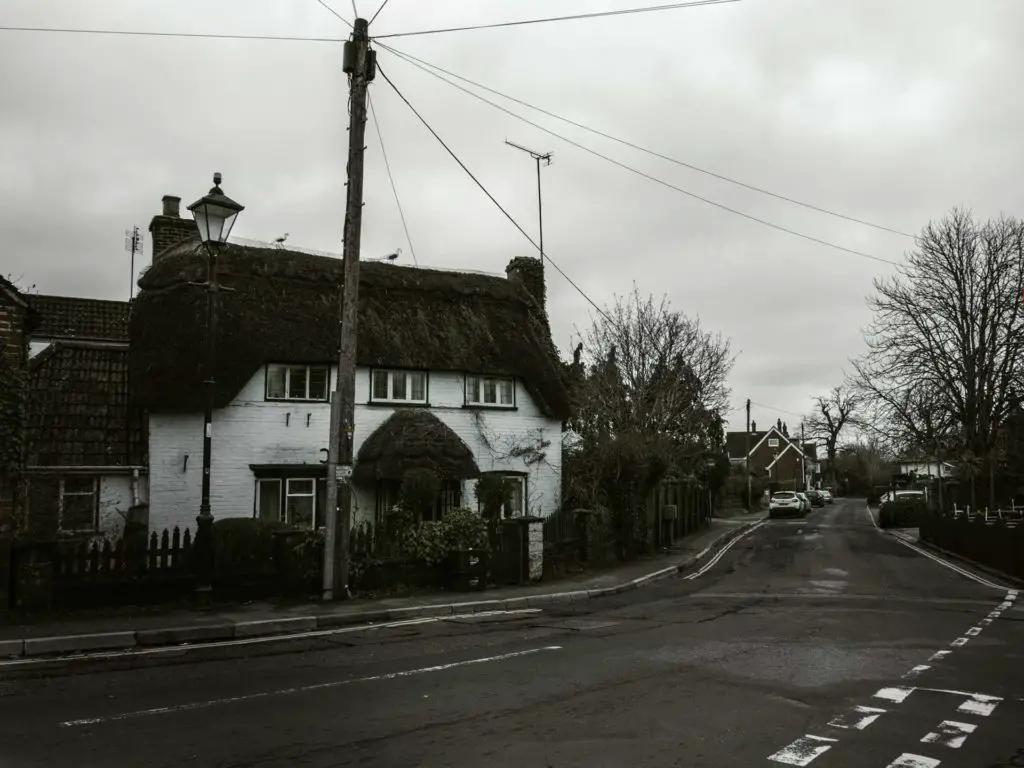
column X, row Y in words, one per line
column 414, row 438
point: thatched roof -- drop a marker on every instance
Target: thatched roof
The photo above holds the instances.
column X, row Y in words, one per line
column 282, row 306
column 414, row 438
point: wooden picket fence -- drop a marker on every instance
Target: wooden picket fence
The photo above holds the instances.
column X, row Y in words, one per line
column 83, row 560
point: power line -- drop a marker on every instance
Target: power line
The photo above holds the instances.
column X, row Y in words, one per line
column 490, row 196
column 521, row 22
column 374, row 17
column 338, row 15
column 391, row 178
column 780, row 410
column 134, row 33
column 651, row 152
column 645, row 175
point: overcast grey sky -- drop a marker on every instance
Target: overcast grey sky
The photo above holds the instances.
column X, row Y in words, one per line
column 891, row 112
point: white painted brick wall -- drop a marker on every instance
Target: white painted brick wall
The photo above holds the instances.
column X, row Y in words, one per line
column 115, row 501
column 252, row 431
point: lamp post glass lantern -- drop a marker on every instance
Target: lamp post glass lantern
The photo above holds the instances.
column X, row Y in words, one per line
column 215, row 215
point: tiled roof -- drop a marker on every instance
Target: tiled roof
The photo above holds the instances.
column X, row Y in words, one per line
column 736, row 443
column 79, row 412
column 65, row 317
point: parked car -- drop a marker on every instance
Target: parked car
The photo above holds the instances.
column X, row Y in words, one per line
column 785, row 504
column 817, row 498
column 804, row 502
column 826, row 495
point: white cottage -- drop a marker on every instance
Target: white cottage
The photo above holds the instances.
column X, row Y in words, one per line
column 457, row 372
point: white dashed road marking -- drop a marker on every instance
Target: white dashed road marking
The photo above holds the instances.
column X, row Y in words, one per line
column 939, row 655
column 897, row 695
column 979, row 704
column 960, row 641
column 916, row 670
column 859, row 718
column 950, row 734
column 803, row 750
column 908, row 760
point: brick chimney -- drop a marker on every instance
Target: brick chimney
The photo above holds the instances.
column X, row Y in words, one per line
column 530, row 272
column 169, row 228
column 753, row 426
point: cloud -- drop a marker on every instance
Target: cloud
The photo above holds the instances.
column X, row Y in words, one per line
column 887, row 112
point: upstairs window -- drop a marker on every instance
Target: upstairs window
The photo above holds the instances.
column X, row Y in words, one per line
column 490, row 391
column 773, row 442
column 297, row 382
column 398, row 387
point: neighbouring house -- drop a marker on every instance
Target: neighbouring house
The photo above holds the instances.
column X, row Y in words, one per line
column 456, row 373
column 774, row 455
column 85, row 449
column 16, row 322
column 924, row 466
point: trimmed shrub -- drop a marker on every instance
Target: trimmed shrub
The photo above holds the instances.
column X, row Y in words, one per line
column 902, row 513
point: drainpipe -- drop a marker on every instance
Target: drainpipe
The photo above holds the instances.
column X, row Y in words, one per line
column 135, row 487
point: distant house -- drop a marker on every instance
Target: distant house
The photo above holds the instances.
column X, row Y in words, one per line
column 774, row 455
column 456, row 373
column 85, row 450
column 924, row 466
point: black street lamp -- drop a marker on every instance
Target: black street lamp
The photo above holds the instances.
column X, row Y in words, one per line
column 215, row 215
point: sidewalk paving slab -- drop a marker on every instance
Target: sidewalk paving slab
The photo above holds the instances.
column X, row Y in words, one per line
column 179, row 627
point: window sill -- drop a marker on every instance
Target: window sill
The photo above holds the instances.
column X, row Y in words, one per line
column 489, row 407
column 396, row 404
column 294, row 400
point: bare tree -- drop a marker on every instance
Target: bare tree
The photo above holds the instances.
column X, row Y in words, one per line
column 832, row 413
column 947, row 340
column 652, row 370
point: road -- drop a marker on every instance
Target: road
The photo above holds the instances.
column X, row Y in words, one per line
column 810, row 642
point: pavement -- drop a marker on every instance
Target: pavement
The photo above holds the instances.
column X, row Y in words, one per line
column 263, row 624
column 820, row 641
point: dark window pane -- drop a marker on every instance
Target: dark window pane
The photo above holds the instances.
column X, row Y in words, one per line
column 418, row 387
column 318, row 383
column 321, row 503
column 268, row 500
column 490, row 391
column 74, row 484
column 505, row 392
column 300, row 511
column 297, row 382
column 399, row 386
column 380, row 385
column 275, row 381
column 472, row 389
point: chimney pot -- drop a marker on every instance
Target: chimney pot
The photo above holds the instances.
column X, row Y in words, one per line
column 172, row 206
column 753, row 426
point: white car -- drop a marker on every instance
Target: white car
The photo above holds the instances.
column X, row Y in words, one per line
column 785, row 503
column 826, row 495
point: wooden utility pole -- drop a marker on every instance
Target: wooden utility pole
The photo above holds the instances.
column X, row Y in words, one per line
column 360, row 65
column 746, row 461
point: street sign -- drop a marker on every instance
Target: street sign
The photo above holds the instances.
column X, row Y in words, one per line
column 343, row 472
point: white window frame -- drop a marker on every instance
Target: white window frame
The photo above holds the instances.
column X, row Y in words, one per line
column 390, row 398
column 284, row 492
column 288, row 494
column 94, row 494
column 288, row 368
column 773, row 442
column 521, row 480
column 475, row 391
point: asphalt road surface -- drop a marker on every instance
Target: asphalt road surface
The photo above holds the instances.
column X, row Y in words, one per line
column 811, row 642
